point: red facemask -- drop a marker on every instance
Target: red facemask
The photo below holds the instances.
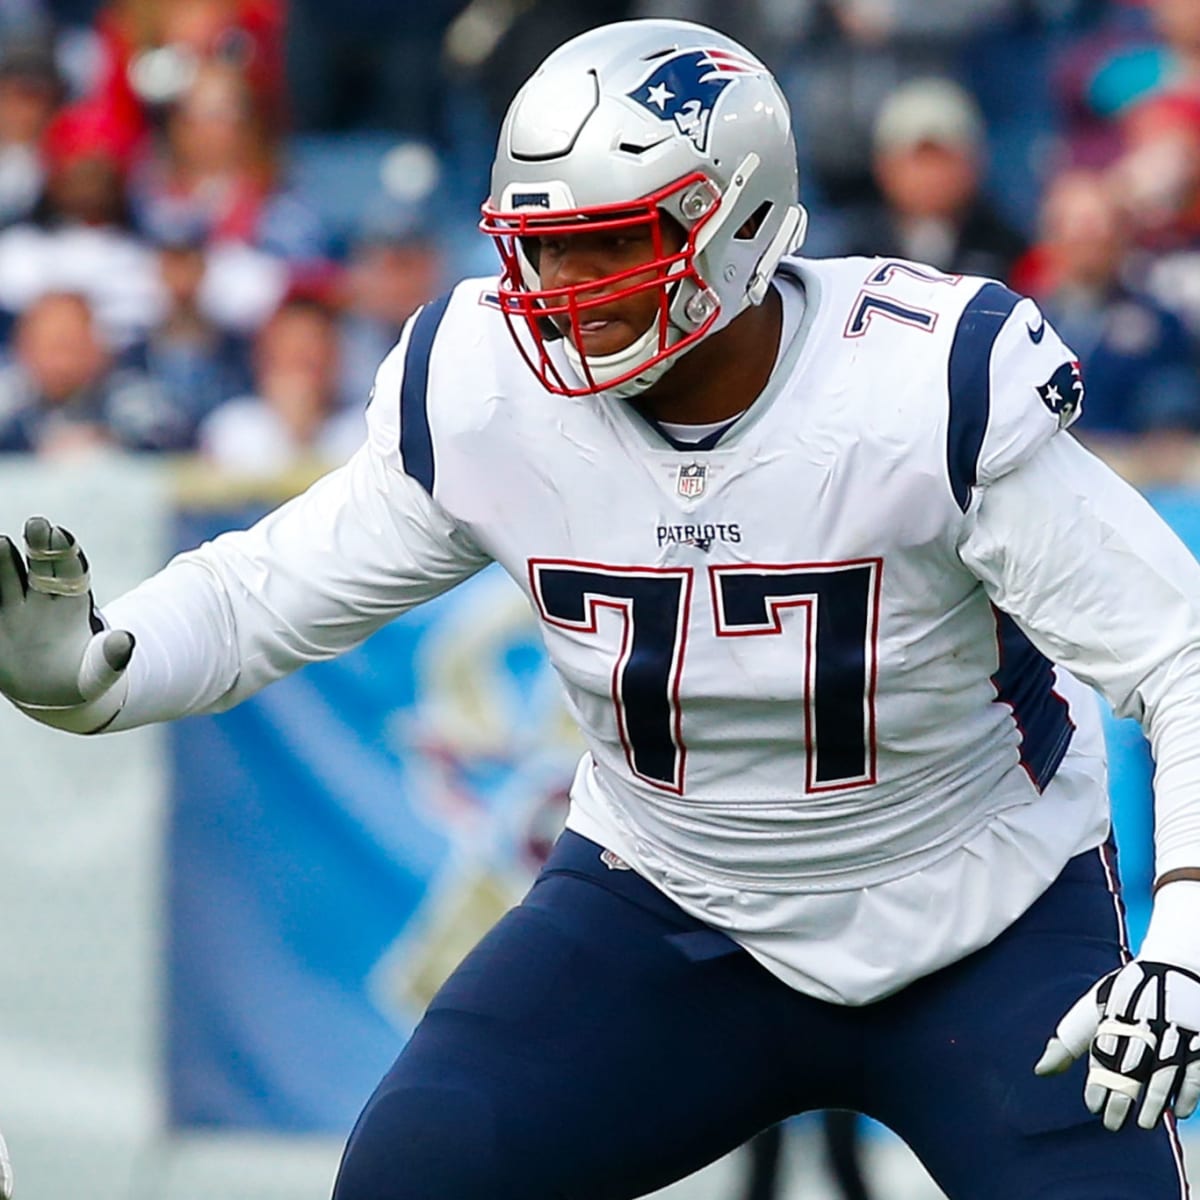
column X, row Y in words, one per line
column 547, row 314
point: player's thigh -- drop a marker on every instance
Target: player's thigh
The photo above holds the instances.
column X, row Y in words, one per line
column 957, row 1052
column 587, row 1047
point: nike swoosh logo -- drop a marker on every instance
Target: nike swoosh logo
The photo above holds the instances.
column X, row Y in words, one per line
column 1036, row 335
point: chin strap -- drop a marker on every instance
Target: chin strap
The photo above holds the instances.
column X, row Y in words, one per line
column 611, row 366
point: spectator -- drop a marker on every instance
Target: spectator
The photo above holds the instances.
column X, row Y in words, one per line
column 79, row 238
column 1166, row 56
column 851, row 57
column 929, row 151
column 30, row 91
column 150, row 51
column 198, row 363
column 1158, row 182
column 294, row 418
column 61, row 395
column 221, row 169
column 1142, row 406
column 1178, row 22
column 1159, row 170
column 245, row 34
column 396, row 265
column 1145, row 47
column 221, row 172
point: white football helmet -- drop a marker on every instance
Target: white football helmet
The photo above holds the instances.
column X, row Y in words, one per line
column 618, row 126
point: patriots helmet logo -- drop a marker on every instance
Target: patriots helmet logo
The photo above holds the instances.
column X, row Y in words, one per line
column 1062, row 394
column 685, row 88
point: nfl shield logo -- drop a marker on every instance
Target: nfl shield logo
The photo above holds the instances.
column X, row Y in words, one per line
column 691, row 479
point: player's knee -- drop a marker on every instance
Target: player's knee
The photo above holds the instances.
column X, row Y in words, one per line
column 416, row 1143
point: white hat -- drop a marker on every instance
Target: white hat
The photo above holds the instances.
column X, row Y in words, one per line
column 931, row 109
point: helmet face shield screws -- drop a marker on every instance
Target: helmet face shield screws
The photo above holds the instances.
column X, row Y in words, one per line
column 675, row 135
column 701, row 306
column 697, row 202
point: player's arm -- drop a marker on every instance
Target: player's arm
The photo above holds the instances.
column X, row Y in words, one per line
column 1103, row 587
column 309, row 581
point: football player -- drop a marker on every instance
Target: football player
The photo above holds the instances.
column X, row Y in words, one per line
column 826, row 579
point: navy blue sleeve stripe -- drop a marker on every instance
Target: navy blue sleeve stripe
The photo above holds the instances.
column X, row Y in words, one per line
column 1024, row 680
column 970, row 390
column 416, row 441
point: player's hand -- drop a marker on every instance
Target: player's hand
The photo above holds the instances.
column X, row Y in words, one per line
column 58, row 662
column 1140, row 1027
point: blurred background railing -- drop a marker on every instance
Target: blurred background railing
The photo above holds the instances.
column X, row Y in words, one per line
column 214, row 217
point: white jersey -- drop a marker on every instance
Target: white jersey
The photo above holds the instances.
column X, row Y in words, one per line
column 812, row 662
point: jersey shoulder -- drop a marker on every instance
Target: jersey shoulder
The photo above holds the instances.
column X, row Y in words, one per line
column 972, row 359
column 454, row 353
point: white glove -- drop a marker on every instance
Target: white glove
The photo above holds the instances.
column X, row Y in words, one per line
column 58, row 662
column 6, row 1175
column 1140, row 1024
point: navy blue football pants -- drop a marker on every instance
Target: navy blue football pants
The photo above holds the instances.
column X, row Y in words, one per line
column 599, row 1043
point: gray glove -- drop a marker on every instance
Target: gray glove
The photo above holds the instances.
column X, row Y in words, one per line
column 58, row 662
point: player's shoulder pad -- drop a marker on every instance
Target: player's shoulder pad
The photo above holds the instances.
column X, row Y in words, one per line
column 1013, row 384
column 427, row 369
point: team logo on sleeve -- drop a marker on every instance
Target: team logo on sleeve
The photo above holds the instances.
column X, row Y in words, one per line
column 690, row 481
column 685, row 89
column 1063, row 394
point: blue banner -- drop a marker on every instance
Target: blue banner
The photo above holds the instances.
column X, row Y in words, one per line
column 338, row 843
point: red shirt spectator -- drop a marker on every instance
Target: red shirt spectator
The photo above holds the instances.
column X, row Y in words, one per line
column 151, row 49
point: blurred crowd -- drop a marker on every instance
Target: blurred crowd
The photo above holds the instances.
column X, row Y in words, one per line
column 215, row 215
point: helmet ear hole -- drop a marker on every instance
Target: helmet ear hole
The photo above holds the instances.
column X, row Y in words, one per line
column 754, row 222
